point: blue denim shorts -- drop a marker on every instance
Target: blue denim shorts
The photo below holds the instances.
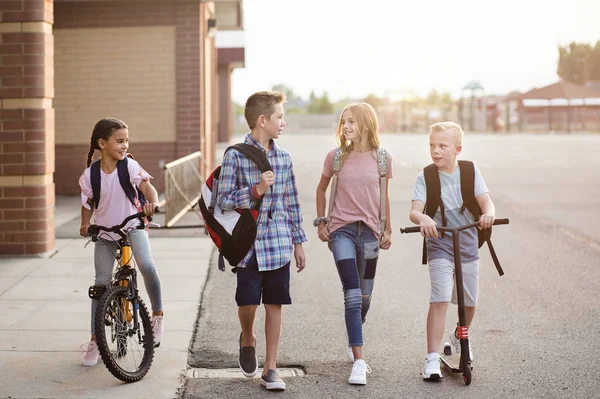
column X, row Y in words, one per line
column 273, row 285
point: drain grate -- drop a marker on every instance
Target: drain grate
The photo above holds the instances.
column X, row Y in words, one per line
column 236, row 373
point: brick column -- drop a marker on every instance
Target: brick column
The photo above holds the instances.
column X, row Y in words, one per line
column 188, row 86
column 225, row 108
column 26, row 127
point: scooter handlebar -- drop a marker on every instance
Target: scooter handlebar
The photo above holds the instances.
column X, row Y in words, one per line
column 417, row 229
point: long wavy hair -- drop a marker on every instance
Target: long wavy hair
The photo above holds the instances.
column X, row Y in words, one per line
column 103, row 130
column 366, row 121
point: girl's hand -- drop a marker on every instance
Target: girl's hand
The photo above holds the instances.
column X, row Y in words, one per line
column 149, row 208
column 83, row 229
column 386, row 240
column 323, row 232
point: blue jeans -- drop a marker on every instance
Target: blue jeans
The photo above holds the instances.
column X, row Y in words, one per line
column 104, row 262
column 355, row 251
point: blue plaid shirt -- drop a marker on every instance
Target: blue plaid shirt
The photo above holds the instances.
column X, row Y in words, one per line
column 277, row 235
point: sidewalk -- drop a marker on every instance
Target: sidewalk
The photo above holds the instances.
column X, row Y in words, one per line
column 46, row 315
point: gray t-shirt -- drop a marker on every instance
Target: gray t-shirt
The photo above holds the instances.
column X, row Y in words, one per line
column 441, row 247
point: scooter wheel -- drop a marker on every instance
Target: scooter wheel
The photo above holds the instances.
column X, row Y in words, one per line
column 447, row 349
column 467, row 375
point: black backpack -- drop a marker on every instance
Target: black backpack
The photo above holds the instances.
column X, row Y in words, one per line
column 131, row 192
column 467, row 190
column 232, row 231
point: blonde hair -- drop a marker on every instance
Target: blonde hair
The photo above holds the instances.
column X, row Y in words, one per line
column 366, row 120
column 261, row 103
column 451, row 127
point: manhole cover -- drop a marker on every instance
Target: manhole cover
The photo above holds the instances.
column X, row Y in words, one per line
column 236, row 373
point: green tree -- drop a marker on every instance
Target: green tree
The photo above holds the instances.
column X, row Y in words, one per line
column 594, row 69
column 373, row 100
column 319, row 105
column 574, row 62
column 238, row 109
column 433, row 99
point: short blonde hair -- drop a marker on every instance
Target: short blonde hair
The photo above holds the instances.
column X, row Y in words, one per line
column 452, row 127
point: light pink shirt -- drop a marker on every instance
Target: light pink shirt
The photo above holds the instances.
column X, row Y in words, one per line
column 114, row 206
column 358, row 194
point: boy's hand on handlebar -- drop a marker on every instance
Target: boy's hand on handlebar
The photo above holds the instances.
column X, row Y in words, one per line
column 486, row 221
column 83, row 229
column 428, row 227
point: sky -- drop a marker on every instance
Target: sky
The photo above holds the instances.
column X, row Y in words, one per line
column 351, row 48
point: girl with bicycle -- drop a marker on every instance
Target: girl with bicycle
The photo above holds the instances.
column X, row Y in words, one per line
column 356, row 227
column 111, row 137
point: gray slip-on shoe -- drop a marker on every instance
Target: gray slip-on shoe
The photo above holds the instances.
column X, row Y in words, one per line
column 272, row 381
column 247, row 360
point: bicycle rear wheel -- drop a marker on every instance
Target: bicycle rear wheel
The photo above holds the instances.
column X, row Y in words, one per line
column 126, row 351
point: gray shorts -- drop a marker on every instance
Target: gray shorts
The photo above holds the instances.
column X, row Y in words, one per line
column 443, row 287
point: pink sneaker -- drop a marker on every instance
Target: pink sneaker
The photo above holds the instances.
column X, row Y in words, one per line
column 158, row 329
column 91, row 354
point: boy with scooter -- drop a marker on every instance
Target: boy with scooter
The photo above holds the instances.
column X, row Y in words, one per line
column 445, row 143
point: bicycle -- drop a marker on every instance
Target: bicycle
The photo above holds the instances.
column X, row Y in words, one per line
column 462, row 364
column 122, row 321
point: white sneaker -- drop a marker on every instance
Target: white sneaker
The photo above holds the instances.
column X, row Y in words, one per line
column 456, row 344
column 350, row 354
column 432, row 367
column 359, row 373
column 158, row 329
column 91, row 354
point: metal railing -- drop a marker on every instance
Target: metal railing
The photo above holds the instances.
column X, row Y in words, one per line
column 183, row 182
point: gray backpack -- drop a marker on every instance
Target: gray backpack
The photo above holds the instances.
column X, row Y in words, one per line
column 382, row 169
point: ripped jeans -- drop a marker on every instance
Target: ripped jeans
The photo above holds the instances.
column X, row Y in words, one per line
column 355, row 251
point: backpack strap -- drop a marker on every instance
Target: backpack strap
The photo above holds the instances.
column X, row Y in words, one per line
column 337, row 167
column 125, row 180
column 434, row 199
column 467, row 190
column 95, row 180
column 258, row 157
column 382, row 169
column 254, row 154
column 131, row 192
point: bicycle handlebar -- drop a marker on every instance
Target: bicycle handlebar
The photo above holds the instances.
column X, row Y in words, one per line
column 417, row 229
column 95, row 229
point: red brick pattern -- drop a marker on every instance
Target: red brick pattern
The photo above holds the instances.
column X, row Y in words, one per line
column 26, row 134
column 26, row 220
column 114, row 14
column 189, row 67
column 26, row 10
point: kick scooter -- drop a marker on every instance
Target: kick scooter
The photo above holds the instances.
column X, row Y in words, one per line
column 457, row 364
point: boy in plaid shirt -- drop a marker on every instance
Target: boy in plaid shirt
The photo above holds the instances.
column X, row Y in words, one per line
column 265, row 271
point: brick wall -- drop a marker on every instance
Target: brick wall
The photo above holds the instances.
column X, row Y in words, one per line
column 115, row 59
column 26, row 127
column 127, row 73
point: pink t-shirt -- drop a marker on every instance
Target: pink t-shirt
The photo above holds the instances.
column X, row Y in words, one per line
column 114, row 206
column 358, row 194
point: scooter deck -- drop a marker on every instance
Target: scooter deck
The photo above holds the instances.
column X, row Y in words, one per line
column 451, row 360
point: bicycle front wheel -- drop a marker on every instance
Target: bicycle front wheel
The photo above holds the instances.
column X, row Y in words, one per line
column 127, row 351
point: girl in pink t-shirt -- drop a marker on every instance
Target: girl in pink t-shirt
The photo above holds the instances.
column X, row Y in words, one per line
column 111, row 137
column 353, row 229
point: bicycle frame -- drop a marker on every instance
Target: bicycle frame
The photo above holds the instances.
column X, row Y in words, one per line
column 126, row 275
